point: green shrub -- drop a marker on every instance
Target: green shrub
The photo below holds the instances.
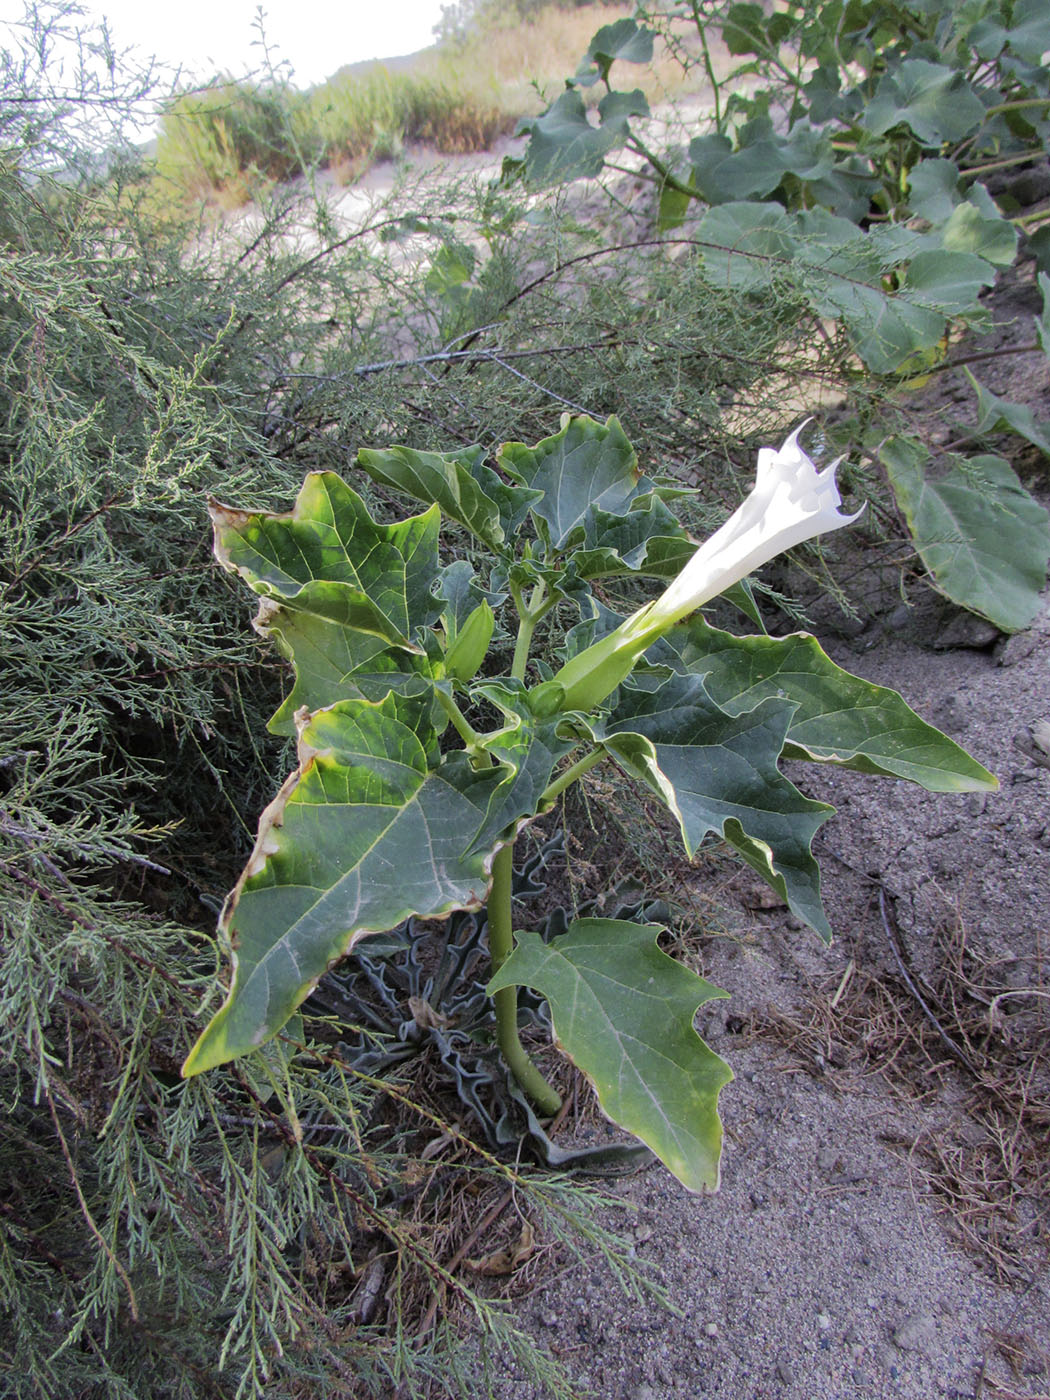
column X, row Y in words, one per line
column 218, row 136
column 159, row 1239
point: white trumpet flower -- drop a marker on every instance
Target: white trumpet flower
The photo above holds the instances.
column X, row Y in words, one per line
column 791, row 502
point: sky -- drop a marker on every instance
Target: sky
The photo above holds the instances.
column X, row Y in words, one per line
column 208, row 36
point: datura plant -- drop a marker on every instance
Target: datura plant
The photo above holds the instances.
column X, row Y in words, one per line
column 419, row 761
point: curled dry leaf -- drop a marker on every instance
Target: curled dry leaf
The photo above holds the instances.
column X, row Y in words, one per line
column 506, row 1260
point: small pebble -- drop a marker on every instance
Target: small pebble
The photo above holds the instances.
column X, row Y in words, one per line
column 710, row 1329
column 785, row 1374
column 823, row 1321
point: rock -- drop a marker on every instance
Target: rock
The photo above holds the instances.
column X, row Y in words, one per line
column 953, row 714
column 785, row 1372
column 917, row 1332
column 1017, row 648
column 965, row 630
column 710, row 1329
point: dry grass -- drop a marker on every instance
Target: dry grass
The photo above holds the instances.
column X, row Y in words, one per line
column 972, row 1051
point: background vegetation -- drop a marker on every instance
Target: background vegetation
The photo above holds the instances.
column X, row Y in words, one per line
column 260, row 1230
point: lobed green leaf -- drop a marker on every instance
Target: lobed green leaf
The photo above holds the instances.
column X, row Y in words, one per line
column 718, row 773
column 328, row 557
column 623, row 1013
column 374, row 826
column 838, row 717
column 960, row 521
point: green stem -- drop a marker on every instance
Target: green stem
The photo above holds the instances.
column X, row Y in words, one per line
column 505, row 1001
column 460, row 723
column 529, row 613
column 566, row 779
column 667, row 176
column 1017, row 106
column 500, row 913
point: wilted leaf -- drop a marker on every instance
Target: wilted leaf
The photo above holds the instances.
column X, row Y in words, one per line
column 504, row 1261
column 623, row 1013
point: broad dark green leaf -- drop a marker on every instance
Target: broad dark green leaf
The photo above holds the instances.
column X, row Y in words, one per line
column 982, row 537
column 843, row 275
column 743, row 242
column 330, row 558
column 722, row 174
column 759, row 166
column 646, row 540
column 948, row 282
column 623, row 1013
column 374, row 826
column 718, row 773
column 1027, row 34
column 966, row 222
column 564, row 145
column 933, row 189
column 839, row 718
column 621, row 106
column 745, row 30
column 585, row 466
column 935, row 101
column 625, row 40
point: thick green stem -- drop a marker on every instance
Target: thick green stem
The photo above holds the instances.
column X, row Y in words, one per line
column 500, row 914
column 501, row 943
column 529, row 614
column 566, row 779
